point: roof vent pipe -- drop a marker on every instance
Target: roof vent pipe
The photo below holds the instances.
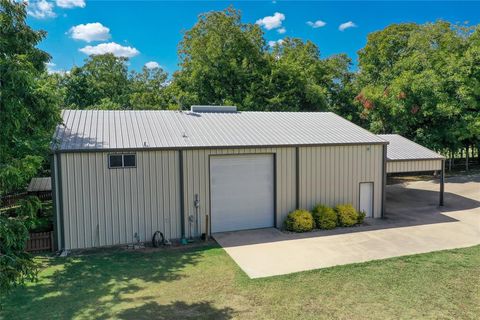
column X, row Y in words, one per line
column 213, row 109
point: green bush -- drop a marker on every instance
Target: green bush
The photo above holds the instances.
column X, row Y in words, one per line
column 299, row 221
column 347, row 215
column 361, row 216
column 324, row 217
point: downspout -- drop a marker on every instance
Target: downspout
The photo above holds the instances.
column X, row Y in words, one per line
column 182, row 197
column 297, row 178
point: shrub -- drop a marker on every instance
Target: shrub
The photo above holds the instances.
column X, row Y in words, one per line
column 361, row 216
column 347, row 215
column 324, row 217
column 299, row 221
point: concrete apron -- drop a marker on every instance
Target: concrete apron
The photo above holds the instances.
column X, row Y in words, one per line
column 415, row 225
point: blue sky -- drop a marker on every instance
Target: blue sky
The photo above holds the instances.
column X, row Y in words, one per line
column 149, row 31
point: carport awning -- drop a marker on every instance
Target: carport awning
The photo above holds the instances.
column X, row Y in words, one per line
column 404, row 155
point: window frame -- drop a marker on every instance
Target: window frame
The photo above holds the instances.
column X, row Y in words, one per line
column 123, row 160
column 129, row 154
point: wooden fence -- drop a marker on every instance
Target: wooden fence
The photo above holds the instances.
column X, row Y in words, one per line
column 12, row 199
column 40, row 241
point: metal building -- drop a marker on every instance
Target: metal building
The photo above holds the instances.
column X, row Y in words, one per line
column 119, row 176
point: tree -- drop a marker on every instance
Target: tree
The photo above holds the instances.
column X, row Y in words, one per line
column 414, row 79
column 294, row 80
column 301, row 81
column 147, row 89
column 29, row 109
column 222, row 61
column 29, row 112
column 101, row 81
column 16, row 265
column 225, row 61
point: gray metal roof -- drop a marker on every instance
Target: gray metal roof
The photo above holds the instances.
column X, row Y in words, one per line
column 102, row 129
column 400, row 148
column 40, row 184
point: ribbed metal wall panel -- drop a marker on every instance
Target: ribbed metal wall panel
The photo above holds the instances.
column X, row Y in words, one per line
column 413, row 166
column 103, row 206
column 331, row 175
column 197, row 181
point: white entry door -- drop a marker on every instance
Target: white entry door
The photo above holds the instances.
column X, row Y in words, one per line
column 366, row 198
column 242, row 192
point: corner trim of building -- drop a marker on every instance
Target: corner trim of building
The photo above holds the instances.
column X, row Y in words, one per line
column 384, row 181
column 58, row 169
column 53, row 175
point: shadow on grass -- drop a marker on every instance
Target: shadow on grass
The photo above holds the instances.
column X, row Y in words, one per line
column 177, row 310
column 91, row 284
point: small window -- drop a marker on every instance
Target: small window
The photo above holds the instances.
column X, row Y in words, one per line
column 122, row 161
column 129, row 160
column 115, row 161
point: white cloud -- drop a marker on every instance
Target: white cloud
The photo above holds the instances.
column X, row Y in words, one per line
column 272, row 44
column 50, row 66
column 111, row 47
column 271, row 22
column 52, row 70
column 90, row 32
column 346, row 25
column 281, row 30
column 71, row 3
column 61, row 72
column 40, row 9
column 316, row 24
column 152, row 65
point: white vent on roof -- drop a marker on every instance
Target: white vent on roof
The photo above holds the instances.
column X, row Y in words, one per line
column 214, row 109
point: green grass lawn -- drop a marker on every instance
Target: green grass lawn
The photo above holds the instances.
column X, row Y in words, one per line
column 205, row 283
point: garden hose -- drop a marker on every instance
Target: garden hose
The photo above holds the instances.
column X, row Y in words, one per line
column 158, row 239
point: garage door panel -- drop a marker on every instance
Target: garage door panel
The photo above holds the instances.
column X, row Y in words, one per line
column 242, row 192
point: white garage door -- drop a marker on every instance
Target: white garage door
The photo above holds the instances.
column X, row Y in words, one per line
column 242, row 192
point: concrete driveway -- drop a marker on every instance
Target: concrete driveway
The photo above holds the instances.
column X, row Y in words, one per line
column 414, row 224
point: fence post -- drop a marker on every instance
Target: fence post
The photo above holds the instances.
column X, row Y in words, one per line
column 51, row 241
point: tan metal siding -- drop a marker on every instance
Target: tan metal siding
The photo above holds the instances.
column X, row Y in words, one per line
column 103, row 206
column 331, row 175
column 197, row 181
column 413, row 166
